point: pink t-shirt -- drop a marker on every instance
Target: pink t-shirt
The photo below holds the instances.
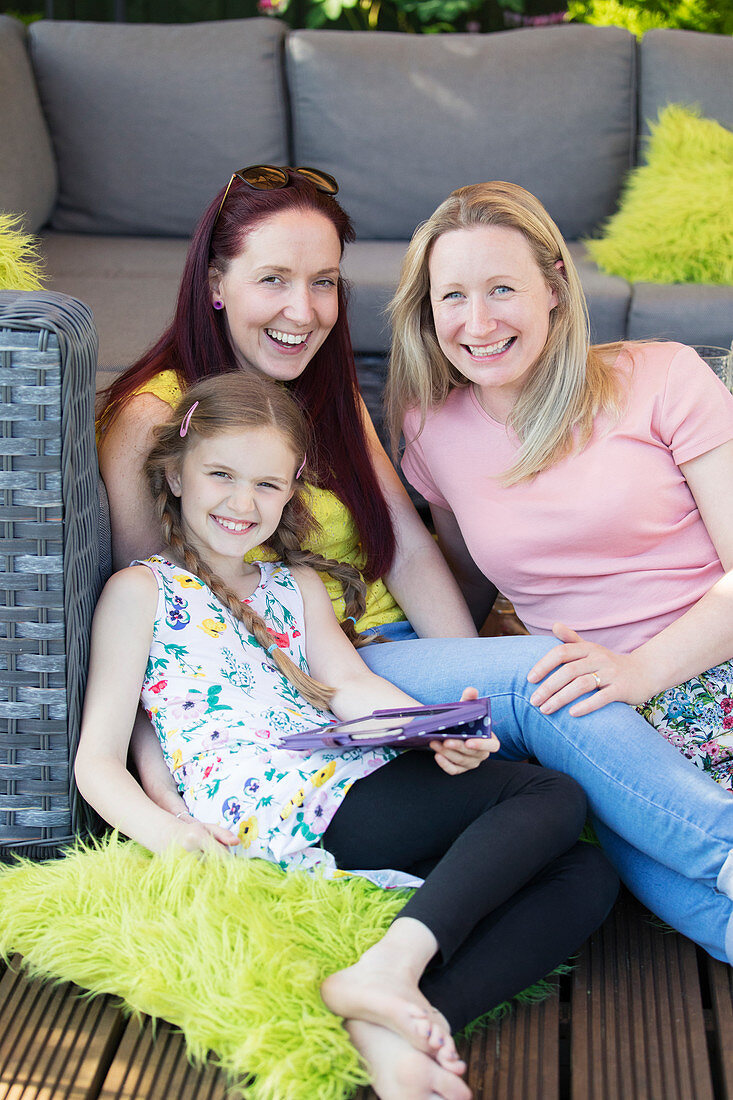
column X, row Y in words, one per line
column 609, row 540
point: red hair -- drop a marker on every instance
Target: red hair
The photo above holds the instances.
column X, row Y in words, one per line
column 196, row 345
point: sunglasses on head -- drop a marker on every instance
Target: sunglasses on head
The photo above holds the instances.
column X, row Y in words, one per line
column 271, row 177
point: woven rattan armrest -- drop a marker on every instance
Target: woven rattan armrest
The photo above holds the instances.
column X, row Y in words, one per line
column 49, row 561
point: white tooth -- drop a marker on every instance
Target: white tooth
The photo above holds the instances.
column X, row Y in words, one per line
column 489, row 349
column 286, row 337
column 232, row 526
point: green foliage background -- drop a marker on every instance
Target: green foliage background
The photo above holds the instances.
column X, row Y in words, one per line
column 638, row 16
column 412, row 16
column 416, row 16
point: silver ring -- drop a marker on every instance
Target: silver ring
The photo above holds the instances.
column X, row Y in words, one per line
column 597, row 679
column 183, row 813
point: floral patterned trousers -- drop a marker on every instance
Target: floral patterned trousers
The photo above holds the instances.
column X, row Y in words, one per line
column 697, row 718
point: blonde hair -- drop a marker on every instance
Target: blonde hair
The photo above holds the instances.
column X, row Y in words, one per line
column 226, row 403
column 571, row 381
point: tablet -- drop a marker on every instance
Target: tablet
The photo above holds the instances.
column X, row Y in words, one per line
column 406, row 728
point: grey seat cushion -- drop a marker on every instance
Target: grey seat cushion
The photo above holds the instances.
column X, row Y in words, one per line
column 608, row 297
column 373, row 270
column 693, row 314
column 148, row 122
column 130, row 284
column 402, row 120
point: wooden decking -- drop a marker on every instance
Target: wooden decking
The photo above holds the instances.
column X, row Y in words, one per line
column 644, row 1016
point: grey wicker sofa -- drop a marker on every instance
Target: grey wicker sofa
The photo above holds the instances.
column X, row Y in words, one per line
column 114, row 136
column 50, row 560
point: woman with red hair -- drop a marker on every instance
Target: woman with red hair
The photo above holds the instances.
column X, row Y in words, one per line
column 261, row 289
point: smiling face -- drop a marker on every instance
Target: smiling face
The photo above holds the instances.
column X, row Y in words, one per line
column 491, row 309
column 233, row 488
column 280, row 293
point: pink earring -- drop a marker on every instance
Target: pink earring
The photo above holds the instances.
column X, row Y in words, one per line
column 218, row 304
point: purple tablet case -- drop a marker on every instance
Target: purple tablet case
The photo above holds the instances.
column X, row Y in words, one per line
column 414, row 727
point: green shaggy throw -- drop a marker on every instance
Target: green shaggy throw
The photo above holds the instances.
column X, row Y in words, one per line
column 231, row 951
column 20, row 266
column 675, row 220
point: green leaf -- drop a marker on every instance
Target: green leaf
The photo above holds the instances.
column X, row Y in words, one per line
column 427, row 11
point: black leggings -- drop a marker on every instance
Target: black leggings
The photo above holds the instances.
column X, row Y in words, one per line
column 508, row 893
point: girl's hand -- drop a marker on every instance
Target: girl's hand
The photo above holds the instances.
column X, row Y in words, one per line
column 456, row 756
column 196, row 836
column 586, row 667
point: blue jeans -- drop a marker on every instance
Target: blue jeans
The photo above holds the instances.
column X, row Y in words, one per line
column 667, row 828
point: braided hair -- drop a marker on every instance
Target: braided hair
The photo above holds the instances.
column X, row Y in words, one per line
column 238, row 401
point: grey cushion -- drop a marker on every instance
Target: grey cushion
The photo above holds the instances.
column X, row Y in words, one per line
column 373, row 269
column 403, row 119
column 148, row 122
column 130, row 284
column 691, row 313
column 686, row 67
column 27, row 169
column 608, row 297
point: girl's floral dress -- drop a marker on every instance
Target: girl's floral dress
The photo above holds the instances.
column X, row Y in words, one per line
column 220, row 707
column 697, row 718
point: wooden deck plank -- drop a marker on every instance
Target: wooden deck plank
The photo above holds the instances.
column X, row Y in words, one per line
column 638, row 1027
column 151, row 1064
column 720, row 980
column 517, row 1057
column 54, row 1044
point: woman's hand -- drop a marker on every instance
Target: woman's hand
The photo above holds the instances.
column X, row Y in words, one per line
column 455, row 756
column 583, row 667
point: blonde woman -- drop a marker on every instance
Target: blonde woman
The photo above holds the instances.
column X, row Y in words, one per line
column 591, row 484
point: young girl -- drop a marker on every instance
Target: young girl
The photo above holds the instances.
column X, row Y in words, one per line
column 232, row 656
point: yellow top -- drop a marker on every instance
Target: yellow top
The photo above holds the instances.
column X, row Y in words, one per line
column 336, row 538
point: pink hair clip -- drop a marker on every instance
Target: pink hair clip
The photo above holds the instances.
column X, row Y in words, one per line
column 187, row 420
column 302, row 467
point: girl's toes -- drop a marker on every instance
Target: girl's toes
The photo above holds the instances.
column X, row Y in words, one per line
column 421, row 1028
column 448, row 1087
column 441, row 1038
column 449, row 1058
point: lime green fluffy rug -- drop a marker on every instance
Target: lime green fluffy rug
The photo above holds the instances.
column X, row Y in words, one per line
column 20, row 265
column 675, row 220
column 231, row 951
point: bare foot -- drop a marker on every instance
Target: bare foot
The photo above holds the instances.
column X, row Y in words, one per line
column 399, row 1071
column 372, row 992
